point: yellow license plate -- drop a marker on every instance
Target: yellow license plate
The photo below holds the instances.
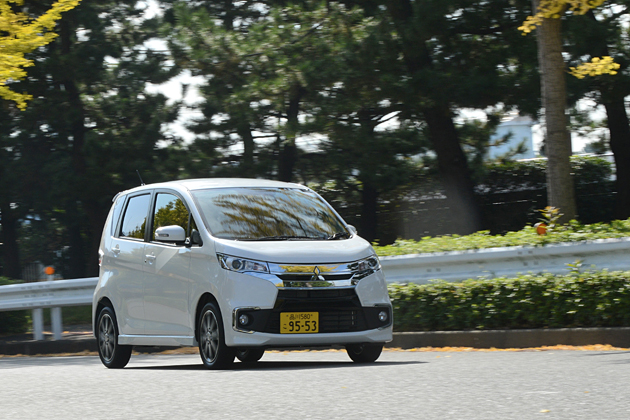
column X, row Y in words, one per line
column 299, row 322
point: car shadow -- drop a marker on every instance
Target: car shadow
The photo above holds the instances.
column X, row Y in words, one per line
column 624, row 361
column 606, row 353
column 262, row 365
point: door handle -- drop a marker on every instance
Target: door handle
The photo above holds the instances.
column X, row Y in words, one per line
column 149, row 258
column 116, row 250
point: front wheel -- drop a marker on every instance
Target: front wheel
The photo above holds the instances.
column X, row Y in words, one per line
column 112, row 354
column 364, row 353
column 212, row 349
column 250, row 355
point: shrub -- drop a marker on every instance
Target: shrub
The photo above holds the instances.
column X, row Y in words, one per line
column 591, row 299
column 13, row 322
column 572, row 232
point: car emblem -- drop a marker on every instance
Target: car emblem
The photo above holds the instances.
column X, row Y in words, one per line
column 317, row 275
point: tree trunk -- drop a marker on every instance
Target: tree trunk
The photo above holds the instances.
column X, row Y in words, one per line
column 287, row 159
column 79, row 188
column 613, row 94
column 369, row 192
column 288, row 150
column 247, row 166
column 369, row 212
column 454, row 172
column 9, row 240
column 76, row 251
column 560, row 190
column 452, row 164
column 619, row 127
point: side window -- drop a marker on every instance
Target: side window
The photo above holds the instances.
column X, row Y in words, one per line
column 169, row 210
column 116, row 214
column 135, row 217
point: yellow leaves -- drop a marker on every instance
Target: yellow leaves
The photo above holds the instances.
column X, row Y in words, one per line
column 546, row 9
column 596, row 67
column 554, row 9
column 21, row 35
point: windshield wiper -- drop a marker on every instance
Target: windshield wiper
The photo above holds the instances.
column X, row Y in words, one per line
column 339, row 235
column 281, row 238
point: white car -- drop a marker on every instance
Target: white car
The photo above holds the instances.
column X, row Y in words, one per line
column 235, row 266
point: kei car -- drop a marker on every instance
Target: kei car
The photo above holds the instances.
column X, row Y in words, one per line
column 235, row 267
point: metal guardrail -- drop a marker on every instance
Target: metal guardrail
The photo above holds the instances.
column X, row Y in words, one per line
column 612, row 254
column 47, row 294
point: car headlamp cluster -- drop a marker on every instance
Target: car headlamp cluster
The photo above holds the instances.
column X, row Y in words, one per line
column 242, row 265
column 369, row 264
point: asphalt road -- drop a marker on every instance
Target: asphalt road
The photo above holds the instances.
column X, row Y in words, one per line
column 324, row 385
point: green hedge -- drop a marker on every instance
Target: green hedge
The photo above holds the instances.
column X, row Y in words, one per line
column 13, row 322
column 591, row 299
column 571, row 232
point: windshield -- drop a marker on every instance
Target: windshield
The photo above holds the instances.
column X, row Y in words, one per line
column 268, row 214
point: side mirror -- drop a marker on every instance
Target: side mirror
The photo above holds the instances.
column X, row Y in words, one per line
column 170, row 234
column 353, row 230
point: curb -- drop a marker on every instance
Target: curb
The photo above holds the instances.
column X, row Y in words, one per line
column 499, row 339
column 75, row 344
column 507, row 339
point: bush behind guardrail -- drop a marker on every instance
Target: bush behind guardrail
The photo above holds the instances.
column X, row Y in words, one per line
column 571, row 232
column 591, row 299
column 13, row 322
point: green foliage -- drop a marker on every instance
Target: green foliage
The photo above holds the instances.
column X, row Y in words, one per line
column 72, row 315
column 549, row 218
column 13, row 322
column 572, row 232
column 591, row 299
column 93, row 122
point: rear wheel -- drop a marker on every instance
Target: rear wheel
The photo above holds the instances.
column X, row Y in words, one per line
column 364, row 353
column 212, row 349
column 249, row 355
column 112, row 354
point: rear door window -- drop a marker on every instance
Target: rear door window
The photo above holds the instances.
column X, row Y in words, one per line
column 135, row 217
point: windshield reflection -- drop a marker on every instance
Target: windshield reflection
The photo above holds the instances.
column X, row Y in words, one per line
column 268, row 214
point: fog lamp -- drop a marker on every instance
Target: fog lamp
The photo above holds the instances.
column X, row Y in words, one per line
column 382, row 316
column 243, row 319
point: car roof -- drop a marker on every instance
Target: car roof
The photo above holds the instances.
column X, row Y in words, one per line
column 206, row 183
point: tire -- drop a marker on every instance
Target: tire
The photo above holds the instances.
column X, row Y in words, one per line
column 249, row 354
column 212, row 349
column 364, row 353
column 112, row 354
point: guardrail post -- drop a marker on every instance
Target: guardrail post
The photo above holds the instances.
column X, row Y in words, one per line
column 38, row 324
column 55, row 320
column 55, row 313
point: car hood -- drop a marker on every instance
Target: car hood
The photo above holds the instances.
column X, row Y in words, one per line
column 298, row 251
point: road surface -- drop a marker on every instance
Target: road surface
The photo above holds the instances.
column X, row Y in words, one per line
column 324, row 385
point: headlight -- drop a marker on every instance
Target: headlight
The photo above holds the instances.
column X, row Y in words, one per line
column 369, row 264
column 242, row 265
